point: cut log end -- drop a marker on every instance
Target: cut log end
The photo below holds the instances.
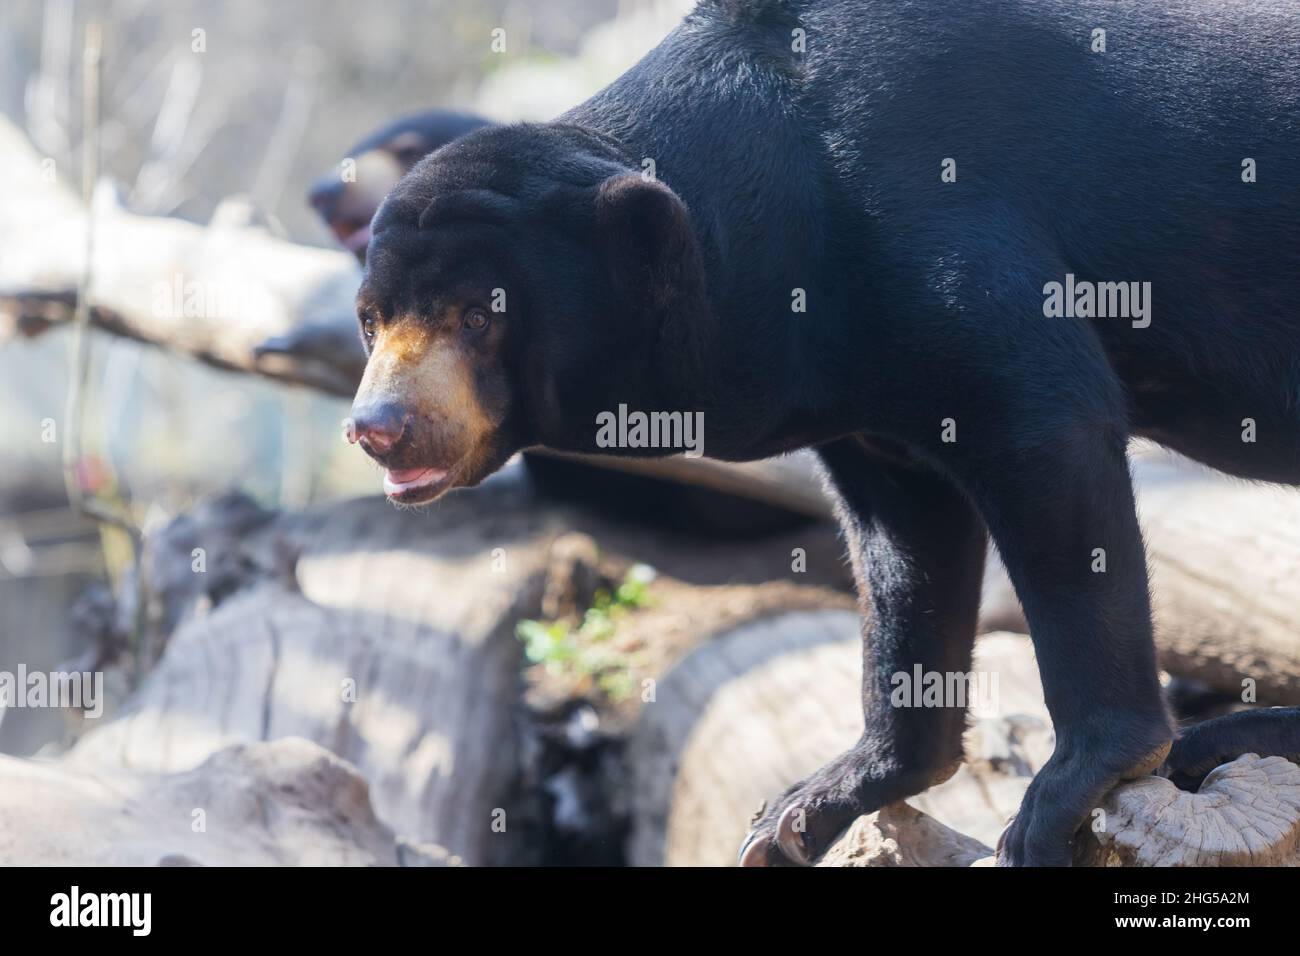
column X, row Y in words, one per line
column 1246, row 813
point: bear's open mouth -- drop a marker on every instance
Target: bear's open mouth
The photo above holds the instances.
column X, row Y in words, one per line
column 415, row 485
column 356, row 239
column 351, row 230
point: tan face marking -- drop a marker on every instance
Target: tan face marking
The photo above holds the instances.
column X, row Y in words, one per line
column 430, row 372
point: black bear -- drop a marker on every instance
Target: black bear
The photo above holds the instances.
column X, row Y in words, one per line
column 347, row 198
column 964, row 251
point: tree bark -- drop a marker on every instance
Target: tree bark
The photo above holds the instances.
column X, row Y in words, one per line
column 756, row 709
column 396, row 652
column 1225, row 575
column 1226, row 585
column 285, row 803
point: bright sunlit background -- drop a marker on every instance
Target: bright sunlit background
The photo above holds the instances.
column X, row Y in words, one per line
column 275, row 98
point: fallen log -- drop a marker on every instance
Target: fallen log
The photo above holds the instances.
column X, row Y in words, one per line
column 389, row 638
column 218, row 293
column 1247, row 813
column 751, row 712
column 1226, row 585
column 1225, row 571
column 391, row 643
column 754, row 710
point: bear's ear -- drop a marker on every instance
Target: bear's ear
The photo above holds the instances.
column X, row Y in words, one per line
column 645, row 235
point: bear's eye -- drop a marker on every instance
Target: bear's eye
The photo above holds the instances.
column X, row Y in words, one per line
column 476, row 320
column 368, row 326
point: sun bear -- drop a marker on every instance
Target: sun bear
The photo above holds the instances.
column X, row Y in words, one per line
column 347, row 196
column 840, row 224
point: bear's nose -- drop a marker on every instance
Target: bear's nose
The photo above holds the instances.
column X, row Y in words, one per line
column 324, row 194
column 378, row 426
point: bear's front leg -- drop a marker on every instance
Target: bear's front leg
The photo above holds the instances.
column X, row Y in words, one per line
column 1065, row 523
column 917, row 548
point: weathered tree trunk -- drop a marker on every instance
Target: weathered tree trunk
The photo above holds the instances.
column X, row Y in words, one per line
column 218, row 293
column 398, row 655
column 1226, row 584
column 1225, row 574
column 733, row 724
column 754, row 710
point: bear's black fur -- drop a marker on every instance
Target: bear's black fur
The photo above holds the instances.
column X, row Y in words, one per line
column 798, row 151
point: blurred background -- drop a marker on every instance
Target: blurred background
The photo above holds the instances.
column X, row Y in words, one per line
column 277, row 94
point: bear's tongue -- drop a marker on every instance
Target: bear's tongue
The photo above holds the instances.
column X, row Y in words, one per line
column 357, row 239
column 404, row 479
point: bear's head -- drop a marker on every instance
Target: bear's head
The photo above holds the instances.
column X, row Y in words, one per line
column 520, row 282
column 349, row 195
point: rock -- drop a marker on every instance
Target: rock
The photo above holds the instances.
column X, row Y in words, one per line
column 284, row 803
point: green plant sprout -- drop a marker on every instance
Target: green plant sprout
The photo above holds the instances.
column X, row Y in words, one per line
column 571, row 652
